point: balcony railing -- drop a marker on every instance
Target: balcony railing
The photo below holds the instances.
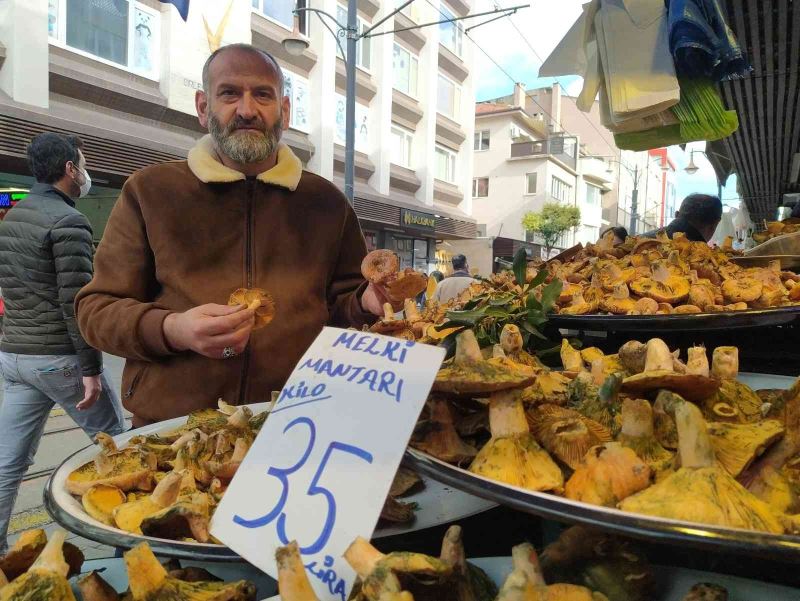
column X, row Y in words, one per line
column 562, row 148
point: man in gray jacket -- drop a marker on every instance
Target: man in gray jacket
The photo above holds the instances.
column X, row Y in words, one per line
column 45, row 258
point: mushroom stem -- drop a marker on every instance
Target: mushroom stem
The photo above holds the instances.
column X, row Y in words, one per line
column 166, row 492
column 658, row 356
column 411, row 311
column 52, row 556
column 725, row 363
column 597, row 371
column 241, row 418
column 453, row 548
column 637, row 418
column 694, row 443
column 697, row 361
column 507, row 415
column 498, row 352
column 388, row 312
column 525, row 558
column 362, row 556
column 511, row 339
column 3, row 580
column 292, row 580
column 239, row 450
column 467, row 348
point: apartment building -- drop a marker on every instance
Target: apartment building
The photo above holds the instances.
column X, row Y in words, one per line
column 122, row 74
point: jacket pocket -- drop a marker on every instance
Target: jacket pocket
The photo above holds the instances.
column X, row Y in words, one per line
column 132, row 376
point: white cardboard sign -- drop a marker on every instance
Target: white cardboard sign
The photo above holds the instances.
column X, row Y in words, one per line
column 321, row 467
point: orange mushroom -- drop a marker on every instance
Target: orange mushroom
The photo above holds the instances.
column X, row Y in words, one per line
column 379, row 266
column 662, row 286
column 258, row 299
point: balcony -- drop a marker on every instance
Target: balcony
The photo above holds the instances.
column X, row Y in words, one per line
column 562, row 149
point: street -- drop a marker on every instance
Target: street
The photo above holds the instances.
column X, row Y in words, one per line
column 60, row 440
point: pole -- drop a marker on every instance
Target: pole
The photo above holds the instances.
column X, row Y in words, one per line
column 350, row 100
column 634, row 201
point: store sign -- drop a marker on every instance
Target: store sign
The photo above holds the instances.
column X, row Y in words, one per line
column 322, row 465
column 415, row 219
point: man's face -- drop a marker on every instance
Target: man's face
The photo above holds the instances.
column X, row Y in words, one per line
column 77, row 171
column 244, row 108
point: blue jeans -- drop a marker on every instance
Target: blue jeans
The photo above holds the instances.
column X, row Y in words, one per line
column 32, row 385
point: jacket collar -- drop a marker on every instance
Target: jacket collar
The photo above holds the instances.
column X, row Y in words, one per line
column 50, row 190
column 205, row 164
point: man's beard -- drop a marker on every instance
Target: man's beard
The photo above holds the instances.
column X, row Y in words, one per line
column 242, row 145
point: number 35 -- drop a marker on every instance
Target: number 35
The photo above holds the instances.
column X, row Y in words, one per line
column 282, row 474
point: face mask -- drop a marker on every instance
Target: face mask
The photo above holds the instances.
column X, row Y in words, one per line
column 87, row 184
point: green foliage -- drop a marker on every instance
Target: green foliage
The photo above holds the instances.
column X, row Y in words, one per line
column 551, row 222
column 519, row 302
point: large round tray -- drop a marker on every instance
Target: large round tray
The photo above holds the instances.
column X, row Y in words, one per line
column 437, row 504
column 650, row 528
column 672, row 584
column 754, row 318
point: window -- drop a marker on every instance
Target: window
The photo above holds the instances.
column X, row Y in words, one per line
column 515, row 132
column 411, row 11
column 362, row 124
column 592, row 195
column 449, row 97
column 120, row 32
column 530, row 183
column 482, row 140
column 406, row 66
column 296, row 88
column 561, row 190
column 445, row 168
column 363, row 46
column 451, row 35
column 282, row 12
column 480, row 187
column 402, row 142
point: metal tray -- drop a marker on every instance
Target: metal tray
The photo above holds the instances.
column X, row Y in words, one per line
column 754, row 318
column 437, row 504
column 787, row 262
column 729, row 540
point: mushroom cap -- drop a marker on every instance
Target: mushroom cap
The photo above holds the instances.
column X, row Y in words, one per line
column 407, row 284
column 379, row 265
column 738, row 445
column 662, row 286
column 258, row 299
column 481, row 378
column 742, row 289
column 690, row 386
column 565, row 433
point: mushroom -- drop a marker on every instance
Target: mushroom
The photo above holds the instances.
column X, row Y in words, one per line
column 406, row 284
column 662, row 286
column 637, row 434
column 440, row 438
column 526, row 581
column 413, row 318
column 390, row 325
column 579, row 306
column 659, row 374
column 565, row 433
column 701, row 491
column 293, row 583
column 100, row 500
column 620, row 301
column 46, row 578
column 608, row 473
column 743, row 289
column 379, row 266
column 646, row 306
column 737, row 445
column 571, row 358
column 188, row 517
column 633, row 355
column 127, row 469
column 257, row 299
column 129, row 516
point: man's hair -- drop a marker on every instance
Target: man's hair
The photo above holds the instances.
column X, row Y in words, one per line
column 459, row 262
column 701, row 209
column 619, row 232
column 49, row 153
column 245, row 48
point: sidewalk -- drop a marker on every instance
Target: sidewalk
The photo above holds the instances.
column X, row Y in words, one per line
column 61, row 438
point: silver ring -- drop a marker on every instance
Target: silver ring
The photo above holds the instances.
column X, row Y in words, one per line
column 228, row 352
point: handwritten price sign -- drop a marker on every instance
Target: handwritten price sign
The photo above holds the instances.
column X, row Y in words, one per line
column 321, row 468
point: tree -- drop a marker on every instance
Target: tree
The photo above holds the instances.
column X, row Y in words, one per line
column 551, row 222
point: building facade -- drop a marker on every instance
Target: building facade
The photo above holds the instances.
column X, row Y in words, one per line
column 123, row 74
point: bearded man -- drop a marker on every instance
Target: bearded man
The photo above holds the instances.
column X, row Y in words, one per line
column 239, row 213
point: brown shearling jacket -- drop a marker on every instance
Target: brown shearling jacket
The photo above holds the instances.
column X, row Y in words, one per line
column 187, row 233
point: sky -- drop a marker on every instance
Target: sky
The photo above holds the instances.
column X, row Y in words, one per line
column 520, row 53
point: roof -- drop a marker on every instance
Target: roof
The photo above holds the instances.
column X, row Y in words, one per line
column 485, row 108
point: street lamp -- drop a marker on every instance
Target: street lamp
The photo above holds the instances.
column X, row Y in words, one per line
column 692, row 167
column 636, row 173
column 296, row 44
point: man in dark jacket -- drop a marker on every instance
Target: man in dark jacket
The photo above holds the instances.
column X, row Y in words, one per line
column 697, row 218
column 46, row 247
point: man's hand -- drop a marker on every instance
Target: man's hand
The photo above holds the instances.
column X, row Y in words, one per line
column 374, row 297
column 92, row 386
column 209, row 329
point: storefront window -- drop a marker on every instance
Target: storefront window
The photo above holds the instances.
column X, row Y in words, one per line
column 412, row 252
column 371, row 238
column 121, row 32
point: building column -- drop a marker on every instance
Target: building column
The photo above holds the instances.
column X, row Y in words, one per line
column 381, row 105
column 24, row 75
column 425, row 138
column 322, row 80
column 467, row 119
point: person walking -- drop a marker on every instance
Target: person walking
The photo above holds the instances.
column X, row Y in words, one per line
column 455, row 283
column 46, row 245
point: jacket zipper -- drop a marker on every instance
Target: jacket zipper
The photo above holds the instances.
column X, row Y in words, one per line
column 248, row 241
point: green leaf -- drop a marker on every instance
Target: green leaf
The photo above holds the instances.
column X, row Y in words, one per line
column 533, row 303
column 520, row 266
column 498, row 312
column 533, row 331
column 537, row 319
column 501, row 300
column 550, row 294
column 464, row 318
column 539, row 279
column 449, row 344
